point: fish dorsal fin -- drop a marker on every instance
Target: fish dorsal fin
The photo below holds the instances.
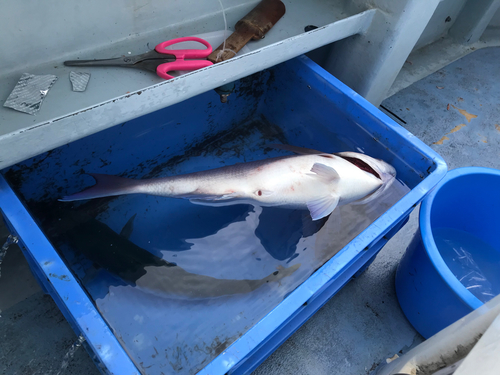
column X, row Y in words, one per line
column 296, row 149
column 323, row 206
column 325, row 172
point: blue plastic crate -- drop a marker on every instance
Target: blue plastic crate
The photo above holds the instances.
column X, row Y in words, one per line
column 297, row 103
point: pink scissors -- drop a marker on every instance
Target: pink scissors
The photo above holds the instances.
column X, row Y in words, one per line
column 160, row 60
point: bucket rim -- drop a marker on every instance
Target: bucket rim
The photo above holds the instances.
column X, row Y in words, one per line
column 428, row 239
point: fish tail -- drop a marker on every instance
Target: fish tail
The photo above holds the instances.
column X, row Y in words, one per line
column 106, row 186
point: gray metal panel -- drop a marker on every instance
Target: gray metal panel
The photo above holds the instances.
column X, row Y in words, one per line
column 37, row 40
column 117, row 95
column 369, row 63
column 442, row 20
column 495, row 20
column 473, row 20
column 55, row 29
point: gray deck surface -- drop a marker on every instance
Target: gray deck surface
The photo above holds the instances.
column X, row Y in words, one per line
column 359, row 327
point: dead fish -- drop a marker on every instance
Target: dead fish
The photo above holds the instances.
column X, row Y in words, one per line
column 314, row 180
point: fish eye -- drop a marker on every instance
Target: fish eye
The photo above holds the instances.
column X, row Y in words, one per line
column 259, row 192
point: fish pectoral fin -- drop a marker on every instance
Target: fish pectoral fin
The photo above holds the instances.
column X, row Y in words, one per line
column 296, row 149
column 324, row 172
column 323, row 206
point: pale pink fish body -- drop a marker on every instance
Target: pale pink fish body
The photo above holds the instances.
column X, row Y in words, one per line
column 315, row 181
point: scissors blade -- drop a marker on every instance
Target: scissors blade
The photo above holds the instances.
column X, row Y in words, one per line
column 103, row 62
column 142, row 61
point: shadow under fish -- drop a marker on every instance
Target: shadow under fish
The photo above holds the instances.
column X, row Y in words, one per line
column 137, row 266
column 195, row 221
column 280, row 230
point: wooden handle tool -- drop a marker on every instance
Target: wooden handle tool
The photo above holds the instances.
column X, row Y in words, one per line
column 253, row 26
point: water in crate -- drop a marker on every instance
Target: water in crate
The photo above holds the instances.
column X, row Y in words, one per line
column 179, row 282
column 474, row 263
column 182, row 281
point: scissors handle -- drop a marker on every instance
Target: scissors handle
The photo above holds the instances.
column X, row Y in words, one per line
column 163, row 69
column 182, row 54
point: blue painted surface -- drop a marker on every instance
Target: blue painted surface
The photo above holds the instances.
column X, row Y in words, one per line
column 311, row 109
column 430, row 295
column 59, row 281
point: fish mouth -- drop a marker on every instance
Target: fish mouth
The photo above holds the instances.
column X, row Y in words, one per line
column 361, row 165
column 377, row 168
